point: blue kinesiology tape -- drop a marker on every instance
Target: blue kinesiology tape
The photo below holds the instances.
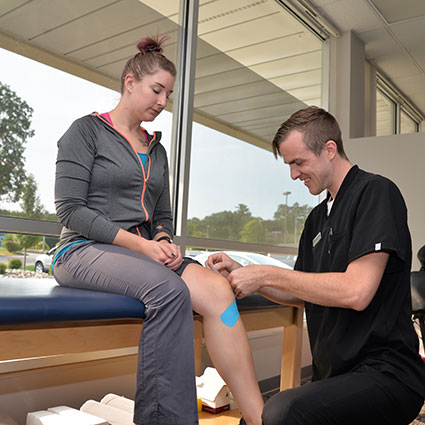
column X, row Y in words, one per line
column 231, row 315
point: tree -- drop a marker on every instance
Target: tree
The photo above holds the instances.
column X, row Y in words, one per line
column 30, row 201
column 243, row 211
column 253, row 231
column 25, row 242
column 291, row 220
column 15, row 123
column 31, row 207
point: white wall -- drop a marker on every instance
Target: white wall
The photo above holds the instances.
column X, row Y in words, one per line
column 401, row 158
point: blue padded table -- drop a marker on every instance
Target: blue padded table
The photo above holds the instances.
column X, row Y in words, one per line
column 40, row 318
column 43, row 300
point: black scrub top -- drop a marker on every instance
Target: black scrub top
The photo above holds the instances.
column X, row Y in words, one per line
column 368, row 215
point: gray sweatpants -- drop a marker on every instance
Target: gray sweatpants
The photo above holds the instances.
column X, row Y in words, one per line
column 166, row 391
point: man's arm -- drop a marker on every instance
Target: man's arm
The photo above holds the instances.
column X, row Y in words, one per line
column 223, row 264
column 281, row 297
column 354, row 288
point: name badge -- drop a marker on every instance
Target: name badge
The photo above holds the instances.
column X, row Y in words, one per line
column 317, row 239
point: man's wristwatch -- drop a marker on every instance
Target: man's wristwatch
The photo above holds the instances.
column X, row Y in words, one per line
column 167, row 238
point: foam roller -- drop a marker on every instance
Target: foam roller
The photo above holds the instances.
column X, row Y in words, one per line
column 118, row 402
column 111, row 414
column 76, row 416
column 42, row 417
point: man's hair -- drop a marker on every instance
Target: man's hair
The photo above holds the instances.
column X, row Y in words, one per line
column 317, row 127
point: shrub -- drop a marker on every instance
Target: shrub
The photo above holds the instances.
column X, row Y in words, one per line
column 11, row 245
column 3, row 268
column 39, row 246
column 14, row 263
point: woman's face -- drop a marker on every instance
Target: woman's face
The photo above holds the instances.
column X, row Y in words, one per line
column 148, row 96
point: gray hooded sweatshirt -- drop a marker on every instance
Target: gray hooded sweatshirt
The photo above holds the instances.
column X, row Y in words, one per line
column 102, row 186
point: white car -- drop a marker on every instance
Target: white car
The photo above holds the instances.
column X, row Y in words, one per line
column 44, row 261
column 245, row 258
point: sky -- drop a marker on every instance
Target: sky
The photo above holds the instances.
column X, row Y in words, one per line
column 224, row 171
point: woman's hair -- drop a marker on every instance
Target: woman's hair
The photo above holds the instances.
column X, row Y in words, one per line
column 317, row 127
column 149, row 60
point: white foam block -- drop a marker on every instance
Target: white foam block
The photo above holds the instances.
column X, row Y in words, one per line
column 119, row 402
column 76, row 416
column 113, row 415
column 42, row 417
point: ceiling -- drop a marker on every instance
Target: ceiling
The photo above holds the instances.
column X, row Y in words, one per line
column 256, row 64
column 394, row 34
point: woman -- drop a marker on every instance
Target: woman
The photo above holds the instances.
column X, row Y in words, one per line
column 112, row 197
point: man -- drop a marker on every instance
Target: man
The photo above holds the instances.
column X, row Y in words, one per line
column 353, row 274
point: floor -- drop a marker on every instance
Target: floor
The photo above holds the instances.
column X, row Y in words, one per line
column 231, row 417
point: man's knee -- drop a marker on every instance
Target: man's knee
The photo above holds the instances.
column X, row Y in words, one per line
column 284, row 408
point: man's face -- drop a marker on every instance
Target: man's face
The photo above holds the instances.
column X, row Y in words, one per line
column 314, row 171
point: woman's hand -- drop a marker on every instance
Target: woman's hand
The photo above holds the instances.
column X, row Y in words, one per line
column 163, row 252
column 175, row 258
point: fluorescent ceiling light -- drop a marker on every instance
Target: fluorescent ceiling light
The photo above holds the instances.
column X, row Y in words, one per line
column 304, row 12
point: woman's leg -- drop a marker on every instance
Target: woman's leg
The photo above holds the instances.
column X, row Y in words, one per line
column 166, row 392
column 227, row 346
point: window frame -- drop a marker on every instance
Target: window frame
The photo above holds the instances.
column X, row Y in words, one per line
column 401, row 104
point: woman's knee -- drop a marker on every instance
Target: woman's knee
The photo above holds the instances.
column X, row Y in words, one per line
column 211, row 294
column 170, row 288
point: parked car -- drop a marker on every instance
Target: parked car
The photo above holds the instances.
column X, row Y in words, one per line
column 246, row 259
column 44, row 261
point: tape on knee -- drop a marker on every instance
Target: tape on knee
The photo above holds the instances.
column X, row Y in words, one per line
column 231, row 315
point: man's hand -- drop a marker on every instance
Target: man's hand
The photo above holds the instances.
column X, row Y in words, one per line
column 222, row 263
column 247, row 280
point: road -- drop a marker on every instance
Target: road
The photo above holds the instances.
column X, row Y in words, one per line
column 30, row 258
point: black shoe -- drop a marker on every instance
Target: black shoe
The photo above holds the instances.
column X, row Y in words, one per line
column 242, row 422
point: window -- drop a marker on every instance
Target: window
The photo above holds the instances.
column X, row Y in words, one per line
column 394, row 114
column 57, row 100
column 240, row 192
column 385, row 115
column 407, row 124
column 91, row 42
column 247, row 83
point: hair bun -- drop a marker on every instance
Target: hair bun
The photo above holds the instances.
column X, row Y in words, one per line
column 151, row 45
